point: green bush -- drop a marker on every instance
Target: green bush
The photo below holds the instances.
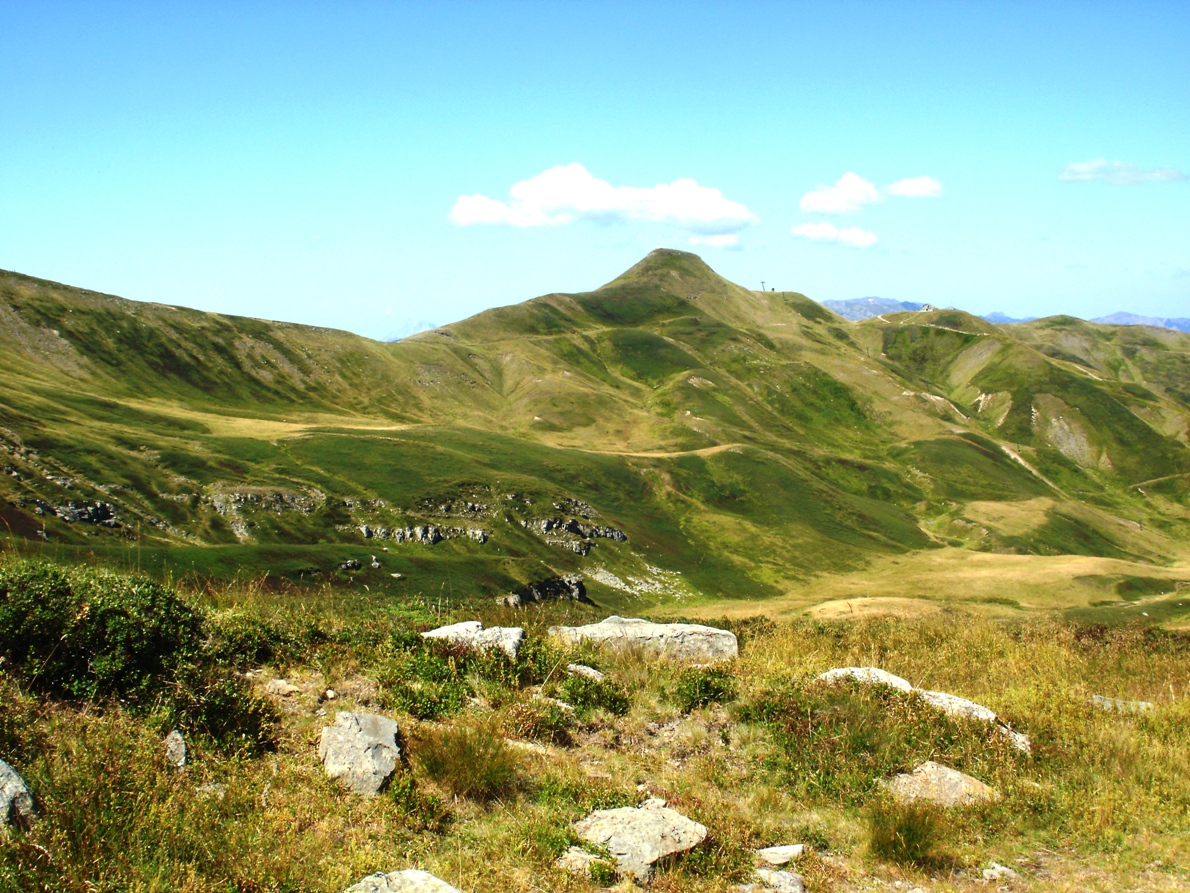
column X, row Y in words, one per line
column 700, row 687
column 468, row 761
column 587, row 694
column 82, row 633
column 223, row 710
column 905, row 833
column 602, row 873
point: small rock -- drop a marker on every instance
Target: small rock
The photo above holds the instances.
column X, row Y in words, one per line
column 330, row 694
column 411, row 880
column 281, row 688
column 175, row 749
column 584, row 670
column 375, row 563
column 472, row 634
column 781, row 881
column 653, row 803
column 576, row 860
column 934, row 783
column 864, row 676
column 16, row 803
column 639, row 836
column 212, row 789
column 676, row 641
column 1118, row 705
column 360, row 750
column 998, row 872
column 782, row 855
column 351, row 564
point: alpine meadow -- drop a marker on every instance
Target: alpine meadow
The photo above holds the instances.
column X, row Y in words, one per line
column 225, row 540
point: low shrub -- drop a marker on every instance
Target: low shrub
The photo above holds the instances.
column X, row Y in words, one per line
column 468, row 761
column 700, row 687
column 586, row 694
column 86, row 634
column 904, row 833
column 538, row 719
column 222, row 709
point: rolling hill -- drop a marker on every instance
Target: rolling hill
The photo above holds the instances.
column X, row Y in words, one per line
column 671, row 435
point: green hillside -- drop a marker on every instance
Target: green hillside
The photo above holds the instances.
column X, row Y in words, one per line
column 672, row 436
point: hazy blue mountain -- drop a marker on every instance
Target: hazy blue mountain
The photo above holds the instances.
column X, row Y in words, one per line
column 1003, row 319
column 1132, row 319
column 866, row 308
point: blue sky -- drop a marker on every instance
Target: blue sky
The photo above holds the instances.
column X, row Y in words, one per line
column 356, row 164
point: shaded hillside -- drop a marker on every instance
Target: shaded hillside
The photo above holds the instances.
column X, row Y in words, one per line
column 671, row 435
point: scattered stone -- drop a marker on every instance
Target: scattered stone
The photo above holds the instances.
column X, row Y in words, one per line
column 411, row 880
column 472, row 634
column 375, row 563
column 175, row 749
column 782, row 855
column 360, row 750
column 934, row 783
column 576, row 860
column 351, row 564
column 781, row 881
column 330, row 694
column 16, row 803
column 677, row 641
column 212, row 789
column 998, row 872
column 639, row 836
column 565, row 587
column 864, row 676
column 584, row 670
column 1118, row 705
column 281, row 688
column 961, row 708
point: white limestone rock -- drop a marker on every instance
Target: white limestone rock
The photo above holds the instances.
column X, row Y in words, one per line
column 583, row 670
column 934, row 783
column 781, row 855
column 1119, row 705
column 472, row 634
column 16, row 803
column 411, row 880
column 961, row 708
column 864, row 676
column 175, row 749
column 675, row 641
column 781, row 881
column 639, row 836
column 360, row 751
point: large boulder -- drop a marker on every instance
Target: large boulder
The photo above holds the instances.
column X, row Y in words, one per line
column 864, row 676
column 472, row 634
column 676, row 641
column 934, row 783
column 411, row 880
column 638, row 836
column 961, row 708
column 16, row 803
column 360, row 751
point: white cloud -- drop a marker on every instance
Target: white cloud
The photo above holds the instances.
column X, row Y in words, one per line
column 724, row 240
column 569, row 192
column 915, row 187
column 1119, row 173
column 849, row 194
column 827, row 232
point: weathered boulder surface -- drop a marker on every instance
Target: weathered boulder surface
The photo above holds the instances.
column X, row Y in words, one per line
column 472, row 634
column 16, row 803
column 576, row 860
column 638, row 836
column 411, row 880
column 934, row 783
column 676, row 641
column 583, row 670
column 780, row 881
column 360, row 751
column 864, row 676
column 781, row 855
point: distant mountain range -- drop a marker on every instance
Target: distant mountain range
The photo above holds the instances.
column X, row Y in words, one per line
column 858, row 309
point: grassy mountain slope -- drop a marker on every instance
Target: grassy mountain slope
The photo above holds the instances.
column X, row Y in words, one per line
column 742, row 442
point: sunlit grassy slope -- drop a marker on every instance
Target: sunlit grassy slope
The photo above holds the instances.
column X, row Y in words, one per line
column 750, row 445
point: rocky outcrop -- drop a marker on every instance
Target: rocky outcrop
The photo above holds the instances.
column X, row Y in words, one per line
column 675, row 641
column 411, row 880
column 561, row 588
column 16, row 803
column 472, row 634
column 637, row 837
column 864, row 676
column 934, row 783
column 360, row 751
column 951, row 705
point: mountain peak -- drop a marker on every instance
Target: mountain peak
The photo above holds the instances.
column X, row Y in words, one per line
column 667, row 268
